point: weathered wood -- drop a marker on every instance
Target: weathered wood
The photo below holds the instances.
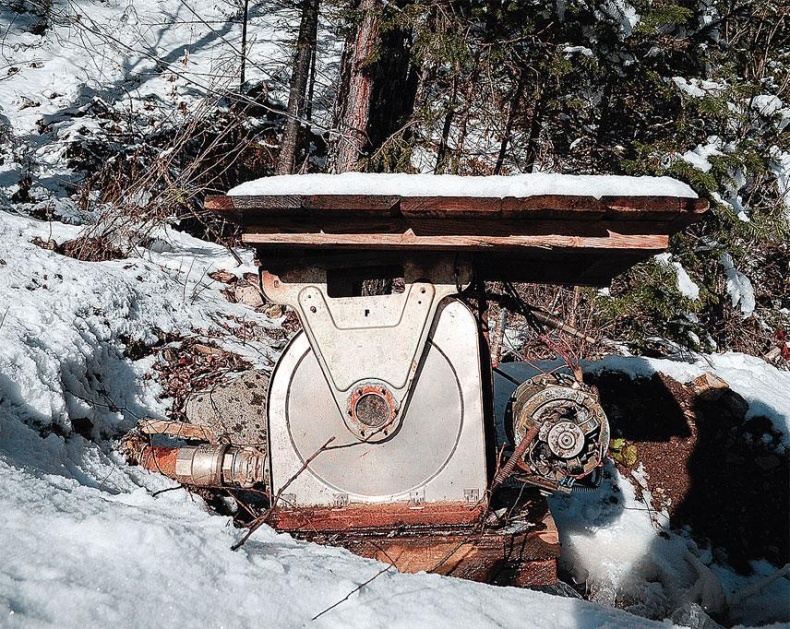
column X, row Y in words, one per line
column 409, row 240
column 453, row 226
column 558, row 239
column 459, row 207
column 262, row 208
column 541, row 206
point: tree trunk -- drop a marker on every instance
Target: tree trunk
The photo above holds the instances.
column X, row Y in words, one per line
column 511, row 115
column 300, row 76
column 245, row 17
column 355, row 111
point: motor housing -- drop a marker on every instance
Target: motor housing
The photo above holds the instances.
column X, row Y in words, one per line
column 573, row 432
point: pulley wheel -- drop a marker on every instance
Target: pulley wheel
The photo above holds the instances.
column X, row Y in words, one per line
column 414, row 453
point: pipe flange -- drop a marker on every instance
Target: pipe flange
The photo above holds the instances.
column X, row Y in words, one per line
column 371, row 411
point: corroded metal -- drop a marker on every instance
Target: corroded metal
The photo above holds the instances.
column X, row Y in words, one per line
column 373, row 408
column 572, row 430
column 207, row 465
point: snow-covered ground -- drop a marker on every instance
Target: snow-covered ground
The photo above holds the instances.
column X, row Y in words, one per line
column 85, row 541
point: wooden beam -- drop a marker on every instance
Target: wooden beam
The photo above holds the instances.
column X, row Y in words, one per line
column 408, row 240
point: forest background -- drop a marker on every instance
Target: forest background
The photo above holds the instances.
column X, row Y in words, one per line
column 694, row 89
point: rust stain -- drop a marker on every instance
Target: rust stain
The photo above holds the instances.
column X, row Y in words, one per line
column 162, row 460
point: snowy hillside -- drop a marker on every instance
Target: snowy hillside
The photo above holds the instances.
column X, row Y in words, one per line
column 87, row 540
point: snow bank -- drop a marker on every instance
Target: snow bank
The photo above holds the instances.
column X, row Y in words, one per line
column 77, row 556
column 762, row 385
column 463, row 186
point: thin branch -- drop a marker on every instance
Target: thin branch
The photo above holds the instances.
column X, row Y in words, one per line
column 263, row 518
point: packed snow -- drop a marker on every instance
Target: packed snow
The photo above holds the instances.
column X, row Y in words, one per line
column 459, row 186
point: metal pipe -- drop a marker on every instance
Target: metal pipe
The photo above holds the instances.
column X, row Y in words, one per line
column 207, row 465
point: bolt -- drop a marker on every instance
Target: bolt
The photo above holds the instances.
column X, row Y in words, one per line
column 312, row 309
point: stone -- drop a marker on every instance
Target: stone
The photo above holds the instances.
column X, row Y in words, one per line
column 235, row 410
column 709, row 386
column 248, row 294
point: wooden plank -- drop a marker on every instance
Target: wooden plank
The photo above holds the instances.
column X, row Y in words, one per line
column 383, row 205
column 453, row 227
column 457, row 207
column 253, row 203
column 408, row 240
column 553, row 206
column 260, row 207
column 257, row 209
column 652, row 208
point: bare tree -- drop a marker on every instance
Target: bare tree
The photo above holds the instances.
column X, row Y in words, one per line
column 298, row 103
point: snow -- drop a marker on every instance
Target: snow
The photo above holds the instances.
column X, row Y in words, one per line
column 623, row 548
column 622, row 13
column 781, row 167
column 572, row 50
column 78, row 555
column 86, row 542
column 699, row 157
column 764, row 387
column 697, row 88
column 766, row 104
column 453, row 185
column 686, row 286
column 85, row 539
column 739, row 287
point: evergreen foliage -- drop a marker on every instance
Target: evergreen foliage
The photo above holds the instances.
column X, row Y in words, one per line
column 694, row 89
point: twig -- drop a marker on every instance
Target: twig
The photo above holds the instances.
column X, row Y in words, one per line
column 356, row 589
column 166, row 489
column 264, row 517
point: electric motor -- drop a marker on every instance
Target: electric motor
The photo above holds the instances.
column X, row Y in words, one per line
column 573, row 432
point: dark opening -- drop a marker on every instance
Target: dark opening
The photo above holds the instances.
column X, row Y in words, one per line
column 365, row 281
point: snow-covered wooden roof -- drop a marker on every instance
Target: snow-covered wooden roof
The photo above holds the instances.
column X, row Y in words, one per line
column 554, row 228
